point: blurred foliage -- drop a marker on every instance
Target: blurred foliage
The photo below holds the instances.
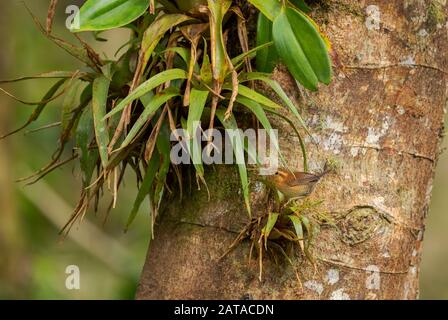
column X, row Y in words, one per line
column 33, row 259
column 433, row 276
column 33, row 262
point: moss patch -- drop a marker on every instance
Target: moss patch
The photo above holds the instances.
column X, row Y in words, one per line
column 436, row 15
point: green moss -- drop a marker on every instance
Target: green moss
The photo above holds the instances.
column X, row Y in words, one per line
column 360, row 224
column 325, row 6
column 334, row 165
column 222, row 183
column 353, row 9
column 226, row 180
column 436, row 15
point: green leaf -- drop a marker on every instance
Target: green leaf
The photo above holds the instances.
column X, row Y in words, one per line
column 267, row 58
column 184, row 53
column 251, row 53
column 308, row 227
column 99, row 104
column 39, row 108
column 80, row 53
column 301, row 48
column 84, row 134
column 270, row 8
column 145, row 188
column 302, row 144
column 97, row 15
column 70, row 103
column 301, row 5
column 155, row 33
column 151, row 107
column 272, row 220
column 279, row 91
column 218, row 9
column 108, row 70
column 198, row 99
column 238, row 147
column 297, row 226
column 252, row 94
column 123, row 74
column 258, row 111
column 147, row 86
column 50, row 93
column 163, row 145
column 194, row 149
column 206, row 68
column 47, row 75
column 146, row 99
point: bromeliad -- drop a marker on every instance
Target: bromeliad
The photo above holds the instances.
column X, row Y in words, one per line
column 174, row 70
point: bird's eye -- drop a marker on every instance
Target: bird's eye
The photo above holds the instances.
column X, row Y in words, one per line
column 276, row 173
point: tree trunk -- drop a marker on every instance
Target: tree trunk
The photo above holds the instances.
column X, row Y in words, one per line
column 380, row 121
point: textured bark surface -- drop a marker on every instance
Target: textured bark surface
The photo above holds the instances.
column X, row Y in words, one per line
column 381, row 121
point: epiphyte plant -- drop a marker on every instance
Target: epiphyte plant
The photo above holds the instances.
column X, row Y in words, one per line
column 175, row 70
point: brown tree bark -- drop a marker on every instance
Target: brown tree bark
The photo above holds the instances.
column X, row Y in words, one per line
column 381, row 121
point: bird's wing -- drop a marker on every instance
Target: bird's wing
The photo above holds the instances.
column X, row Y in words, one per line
column 303, row 178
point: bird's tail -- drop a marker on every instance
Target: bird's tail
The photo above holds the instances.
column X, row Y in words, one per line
column 328, row 168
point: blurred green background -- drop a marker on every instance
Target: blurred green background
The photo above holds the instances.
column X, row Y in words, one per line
column 33, row 259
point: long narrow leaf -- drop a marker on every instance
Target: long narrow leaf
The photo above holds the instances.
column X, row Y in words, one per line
column 153, row 35
column 47, row 75
column 99, row 104
column 38, row 110
column 145, row 188
column 258, row 111
column 218, row 9
column 70, row 103
column 302, row 144
column 297, row 226
column 252, row 94
column 198, row 99
column 252, row 53
column 184, row 53
column 238, row 147
column 279, row 91
column 270, row 8
column 301, row 5
column 154, row 104
column 84, row 134
column 267, row 58
column 147, row 86
column 206, row 68
column 163, row 145
column 272, row 220
column 309, row 230
column 193, row 147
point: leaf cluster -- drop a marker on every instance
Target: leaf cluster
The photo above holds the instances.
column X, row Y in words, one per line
column 174, row 70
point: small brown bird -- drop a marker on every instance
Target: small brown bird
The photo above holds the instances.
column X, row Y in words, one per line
column 294, row 185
